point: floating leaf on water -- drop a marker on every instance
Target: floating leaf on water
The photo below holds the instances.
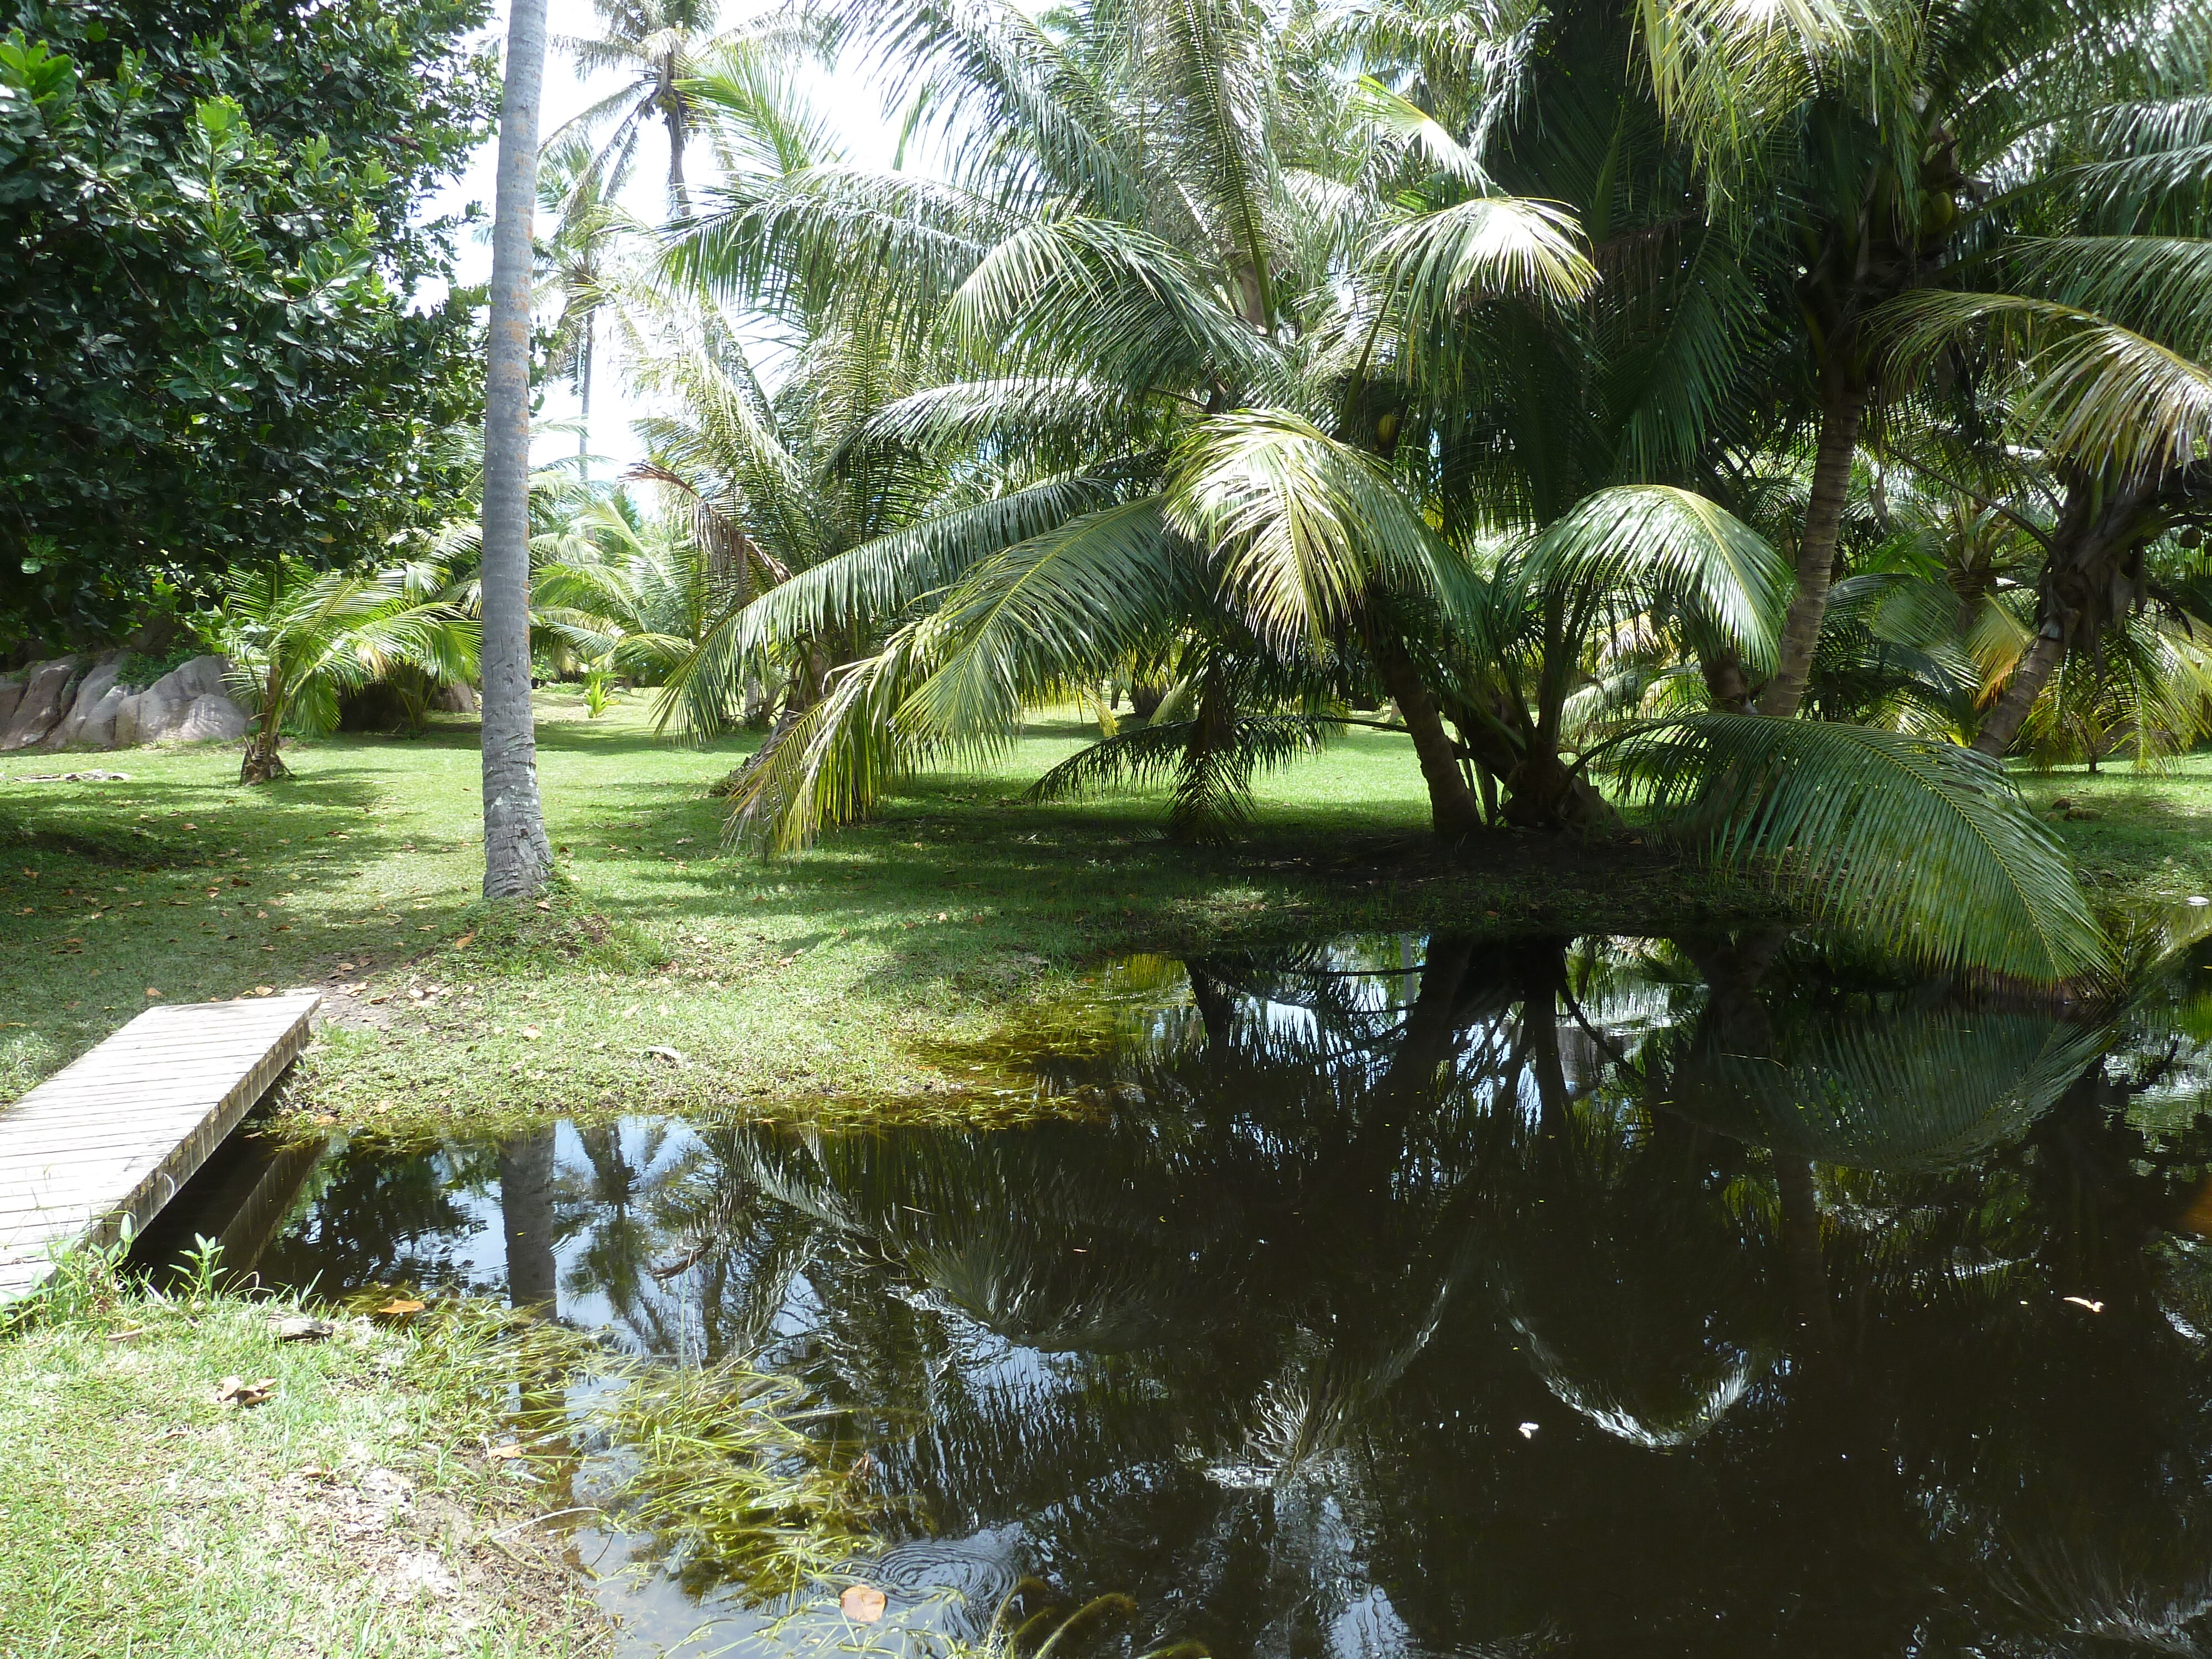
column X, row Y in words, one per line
column 862, row 1603
column 401, row 1304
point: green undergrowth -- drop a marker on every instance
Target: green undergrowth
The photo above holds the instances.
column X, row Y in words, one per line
column 345, row 1502
column 667, row 972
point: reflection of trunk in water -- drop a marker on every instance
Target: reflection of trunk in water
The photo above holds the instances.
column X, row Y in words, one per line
column 1732, row 969
column 1217, row 1009
column 526, row 1203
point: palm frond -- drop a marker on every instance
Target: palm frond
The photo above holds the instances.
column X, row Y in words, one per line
column 1434, row 265
column 1672, row 545
column 1302, row 527
column 1920, row 845
column 2089, row 389
column 1057, row 608
column 1210, row 771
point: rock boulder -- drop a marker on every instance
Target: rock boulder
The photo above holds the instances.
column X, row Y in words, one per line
column 187, row 705
column 212, row 719
column 94, row 700
column 39, row 709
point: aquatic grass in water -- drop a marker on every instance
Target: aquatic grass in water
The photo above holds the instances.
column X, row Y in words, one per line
column 730, row 1479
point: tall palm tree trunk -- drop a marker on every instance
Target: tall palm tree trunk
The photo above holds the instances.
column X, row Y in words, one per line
column 1843, row 405
column 1452, row 807
column 516, row 855
column 584, row 391
column 673, row 114
column 2083, row 588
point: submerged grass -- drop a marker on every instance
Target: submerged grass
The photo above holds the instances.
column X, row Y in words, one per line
column 736, row 1484
column 383, row 1491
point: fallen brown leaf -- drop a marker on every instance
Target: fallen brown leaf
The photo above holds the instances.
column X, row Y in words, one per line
column 236, row 1390
column 862, row 1603
column 401, row 1304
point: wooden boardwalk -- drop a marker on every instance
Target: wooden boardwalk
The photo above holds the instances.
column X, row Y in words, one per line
column 112, row 1138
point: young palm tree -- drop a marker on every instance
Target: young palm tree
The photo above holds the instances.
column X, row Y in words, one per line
column 517, row 855
column 297, row 642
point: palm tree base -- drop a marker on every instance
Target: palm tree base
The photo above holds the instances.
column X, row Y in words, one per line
column 263, row 764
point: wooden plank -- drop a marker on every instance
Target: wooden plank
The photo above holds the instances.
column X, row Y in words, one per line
column 106, row 1143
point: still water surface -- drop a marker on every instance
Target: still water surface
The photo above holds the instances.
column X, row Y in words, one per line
column 1423, row 1297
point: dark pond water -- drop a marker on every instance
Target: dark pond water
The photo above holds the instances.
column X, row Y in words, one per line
column 1429, row 1296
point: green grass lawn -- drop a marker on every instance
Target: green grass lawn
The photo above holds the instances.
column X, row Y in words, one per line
column 352, row 1510
column 2133, row 834
column 837, row 980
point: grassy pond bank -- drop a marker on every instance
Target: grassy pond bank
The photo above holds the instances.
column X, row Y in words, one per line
column 880, row 1198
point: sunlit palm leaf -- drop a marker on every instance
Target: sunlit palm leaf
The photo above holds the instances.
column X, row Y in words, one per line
column 2089, row 389
column 1672, row 545
column 1302, row 527
column 1922, row 845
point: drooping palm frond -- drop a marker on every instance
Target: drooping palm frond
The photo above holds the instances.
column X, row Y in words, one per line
column 2160, row 285
column 1418, row 132
column 1728, row 75
column 1432, row 265
column 1303, row 527
column 877, row 584
column 1673, row 546
column 1211, row 769
column 836, row 758
column 970, row 414
column 1046, row 612
column 793, row 243
column 1921, row 845
column 1069, row 294
column 2089, row 388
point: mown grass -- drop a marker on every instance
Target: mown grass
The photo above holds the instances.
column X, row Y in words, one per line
column 817, row 983
column 824, row 983
column 352, row 1512
column 2133, row 834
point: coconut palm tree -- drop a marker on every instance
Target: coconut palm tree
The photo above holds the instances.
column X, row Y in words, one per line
column 659, row 47
column 517, row 855
column 297, row 642
column 2088, row 324
column 1880, row 148
column 1315, row 414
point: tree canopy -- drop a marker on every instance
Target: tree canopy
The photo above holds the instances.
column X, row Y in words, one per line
column 222, row 332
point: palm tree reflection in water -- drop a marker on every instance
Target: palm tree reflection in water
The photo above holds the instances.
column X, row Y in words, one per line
column 1455, row 1296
